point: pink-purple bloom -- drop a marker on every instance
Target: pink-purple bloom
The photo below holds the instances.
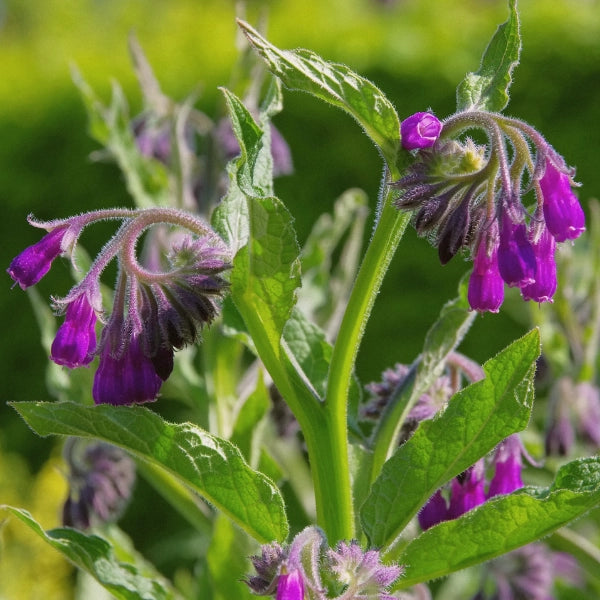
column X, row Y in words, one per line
column 467, row 490
column 35, row 261
column 486, row 286
column 562, row 211
column 420, row 130
column 542, row 288
column 435, row 511
column 507, row 467
column 516, row 260
column 290, row 586
column 75, row 341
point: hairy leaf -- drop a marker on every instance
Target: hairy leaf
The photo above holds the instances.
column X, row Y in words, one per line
column 211, row 466
column 503, row 523
column 336, row 84
column 475, row 421
column 487, row 89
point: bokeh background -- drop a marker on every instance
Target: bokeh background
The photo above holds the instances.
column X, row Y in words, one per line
column 415, row 51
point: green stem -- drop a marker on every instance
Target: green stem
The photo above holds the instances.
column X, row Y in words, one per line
column 387, row 235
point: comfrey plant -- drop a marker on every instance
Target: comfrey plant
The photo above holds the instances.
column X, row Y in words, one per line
column 361, row 498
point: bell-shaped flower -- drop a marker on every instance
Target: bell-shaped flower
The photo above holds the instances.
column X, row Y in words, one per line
column 563, row 213
column 508, row 466
column 75, row 341
column 544, row 286
column 467, row 490
column 486, row 286
column 35, row 261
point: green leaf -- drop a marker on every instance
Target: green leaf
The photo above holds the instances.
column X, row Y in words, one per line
column 212, row 467
column 266, row 272
column 475, row 421
column 255, row 166
column 96, row 556
column 311, row 350
column 487, row 89
column 336, row 84
column 503, row 523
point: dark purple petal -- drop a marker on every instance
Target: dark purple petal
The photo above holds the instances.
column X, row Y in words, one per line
column 75, row 340
column 420, row 130
column 486, row 286
column 128, row 379
column 544, row 286
column 516, row 260
column 563, row 213
column 34, row 262
column 435, row 511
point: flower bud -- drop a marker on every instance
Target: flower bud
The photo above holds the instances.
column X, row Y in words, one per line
column 420, row 130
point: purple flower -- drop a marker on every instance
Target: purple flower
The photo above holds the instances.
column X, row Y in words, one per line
column 153, row 139
column 562, row 211
column 75, row 340
column 101, row 478
column 435, row 511
column 486, row 286
column 362, row 571
column 508, row 465
column 516, row 260
column 544, row 286
column 127, row 376
column 290, row 586
column 467, row 490
column 460, row 190
column 420, row 130
column 34, row 262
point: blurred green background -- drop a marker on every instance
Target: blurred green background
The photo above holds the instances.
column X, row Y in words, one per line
column 415, row 51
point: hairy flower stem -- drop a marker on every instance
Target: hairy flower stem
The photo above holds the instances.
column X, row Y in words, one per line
column 385, row 240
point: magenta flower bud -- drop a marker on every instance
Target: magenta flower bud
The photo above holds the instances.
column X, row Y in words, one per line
column 420, row 130
column 544, row 286
column 34, row 262
column 563, row 213
column 516, row 260
column 486, row 286
column 75, row 340
column 290, row 586
column 508, row 465
column 128, row 378
column 152, row 139
column 467, row 490
column 435, row 511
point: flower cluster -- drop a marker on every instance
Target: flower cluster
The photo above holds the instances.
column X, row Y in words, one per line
column 306, row 570
column 101, row 479
column 383, row 393
column 154, row 311
column 468, row 490
column 470, row 196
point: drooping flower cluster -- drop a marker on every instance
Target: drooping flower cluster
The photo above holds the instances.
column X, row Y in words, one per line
column 154, row 311
column 101, row 479
column 306, row 570
column 471, row 196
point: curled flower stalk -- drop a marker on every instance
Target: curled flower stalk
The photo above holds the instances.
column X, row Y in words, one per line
column 475, row 197
column 155, row 311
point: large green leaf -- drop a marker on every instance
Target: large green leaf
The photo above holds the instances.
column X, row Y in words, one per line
column 503, row 524
column 487, row 89
column 95, row 555
column 336, row 84
column 475, row 421
column 209, row 465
